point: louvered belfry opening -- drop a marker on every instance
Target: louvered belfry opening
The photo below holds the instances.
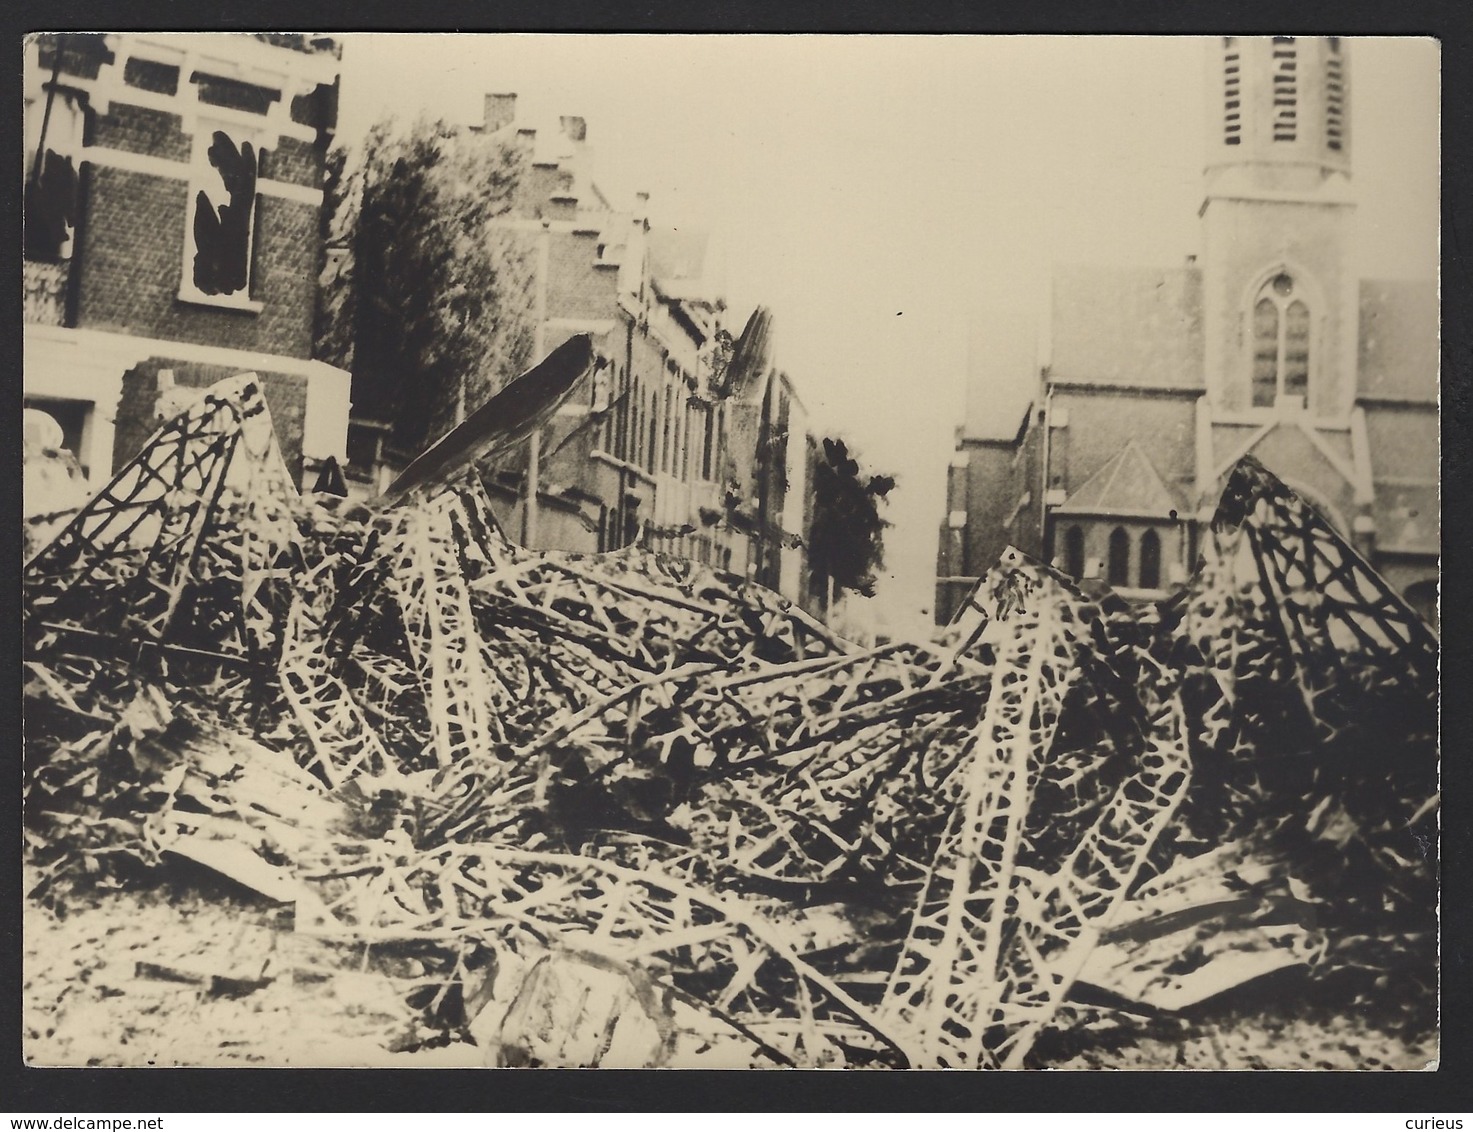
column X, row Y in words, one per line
column 1334, row 97
column 1232, row 92
column 1286, row 89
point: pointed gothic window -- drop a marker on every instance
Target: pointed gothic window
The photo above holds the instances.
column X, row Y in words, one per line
column 1150, row 578
column 1074, row 552
column 1281, row 340
column 1119, row 574
column 1296, row 349
column 1265, row 352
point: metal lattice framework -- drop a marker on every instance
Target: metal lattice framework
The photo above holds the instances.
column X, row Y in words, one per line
column 727, row 956
column 947, row 985
column 1271, row 560
column 426, row 548
column 193, row 541
column 976, row 815
column 1014, row 901
column 1314, row 688
column 813, row 771
column 343, row 745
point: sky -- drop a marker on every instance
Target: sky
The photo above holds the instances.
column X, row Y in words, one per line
column 899, row 202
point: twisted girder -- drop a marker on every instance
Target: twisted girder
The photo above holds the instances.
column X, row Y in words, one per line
column 944, row 989
column 1314, row 695
column 1336, row 621
column 1015, row 896
column 1005, row 794
column 192, row 543
column 726, row 955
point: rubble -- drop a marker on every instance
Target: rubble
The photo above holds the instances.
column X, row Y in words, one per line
column 527, row 781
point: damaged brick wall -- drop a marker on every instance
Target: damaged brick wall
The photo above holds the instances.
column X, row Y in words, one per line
column 132, row 263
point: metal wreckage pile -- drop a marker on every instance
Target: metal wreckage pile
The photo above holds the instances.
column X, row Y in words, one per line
column 625, row 806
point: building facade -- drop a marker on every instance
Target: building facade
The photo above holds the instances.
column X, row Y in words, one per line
column 1159, row 380
column 651, row 449
column 173, row 234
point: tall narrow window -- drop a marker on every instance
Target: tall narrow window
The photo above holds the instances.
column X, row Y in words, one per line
column 1286, row 89
column 1281, row 343
column 1232, row 92
column 689, row 442
column 1296, row 349
column 665, row 428
column 1150, row 576
column 718, row 443
column 635, row 420
column 630, row 447
column 621, row 414
column 1074, row 552
column 1119, row 574
column 1265, row 352
column 710, row 434
column 652, row 436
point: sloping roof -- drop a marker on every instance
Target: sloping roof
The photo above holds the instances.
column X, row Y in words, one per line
column 1126, row 484
column 1127, row 326
column 1398, row 338
column 1408, row 520
column 678, row 262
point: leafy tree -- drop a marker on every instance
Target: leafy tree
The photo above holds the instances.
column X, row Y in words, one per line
column 847, row 541
column 426, row 299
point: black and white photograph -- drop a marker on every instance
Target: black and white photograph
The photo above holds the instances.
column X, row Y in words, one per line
column 714, row 551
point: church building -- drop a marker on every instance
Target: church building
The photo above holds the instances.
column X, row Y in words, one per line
column 1160, row 379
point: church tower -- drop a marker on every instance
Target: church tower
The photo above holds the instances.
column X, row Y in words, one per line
column 1279, row 286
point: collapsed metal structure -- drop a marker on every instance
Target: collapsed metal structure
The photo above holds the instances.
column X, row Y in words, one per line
column 894, row 856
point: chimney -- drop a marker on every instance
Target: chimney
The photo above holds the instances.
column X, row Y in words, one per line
column 501, row 110
column 575, row 128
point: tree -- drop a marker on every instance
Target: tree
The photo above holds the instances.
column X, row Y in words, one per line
column 846, row 544
column 425, row 299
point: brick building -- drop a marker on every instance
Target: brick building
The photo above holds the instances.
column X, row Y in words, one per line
column 173, row 233
column 1159, row 379
column 649, row 449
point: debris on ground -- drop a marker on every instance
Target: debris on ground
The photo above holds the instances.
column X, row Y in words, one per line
column 626, row 810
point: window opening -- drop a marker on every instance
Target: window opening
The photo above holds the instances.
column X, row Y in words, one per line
column 1232, row 122
column 1119, row 574
column 652, row 437
column 1285, row 89
column 1334, row 98
column 710, row 433
column 53, row 138
column 1281, row 340
column 665, row 434
column 222, row 215
column 1074, row 552
column 1150, row 576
